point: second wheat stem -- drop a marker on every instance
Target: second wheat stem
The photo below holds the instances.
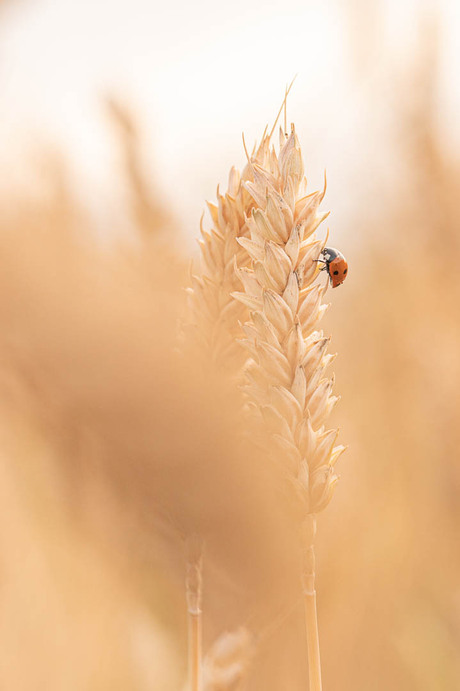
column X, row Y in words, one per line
column 311, row 619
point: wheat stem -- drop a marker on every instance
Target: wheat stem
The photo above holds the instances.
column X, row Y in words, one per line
column 193, row 588
column 311, row 619
column 227, row 662
column 194, row 649
column 314, row 662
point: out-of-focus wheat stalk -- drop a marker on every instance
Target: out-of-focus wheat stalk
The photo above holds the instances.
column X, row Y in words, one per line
column 194, row 588
column 149, row 214
column 226, row 662
column 286, row 385
column 209, row 330
column 211, row 327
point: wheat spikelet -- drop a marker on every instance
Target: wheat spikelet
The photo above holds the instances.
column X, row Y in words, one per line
column 286, row 384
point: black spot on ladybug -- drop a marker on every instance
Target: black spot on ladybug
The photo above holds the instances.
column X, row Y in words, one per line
column 345, row 271
column 336, row 273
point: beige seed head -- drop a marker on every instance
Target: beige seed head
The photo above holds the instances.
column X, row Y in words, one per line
column 285, row 372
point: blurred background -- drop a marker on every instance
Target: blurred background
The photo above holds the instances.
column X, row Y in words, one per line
column 117, row 121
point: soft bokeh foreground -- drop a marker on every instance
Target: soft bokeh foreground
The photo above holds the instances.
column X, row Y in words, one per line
column 112, row 450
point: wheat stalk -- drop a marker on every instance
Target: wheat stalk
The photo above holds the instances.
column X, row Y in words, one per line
column 285, row 383
column 227, row 661
column 193, row 590
column 210, row 329
column 149, row 214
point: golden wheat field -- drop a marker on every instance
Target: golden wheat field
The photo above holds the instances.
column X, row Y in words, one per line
column 226, row 465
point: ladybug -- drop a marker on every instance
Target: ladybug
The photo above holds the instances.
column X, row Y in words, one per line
column 335, row 264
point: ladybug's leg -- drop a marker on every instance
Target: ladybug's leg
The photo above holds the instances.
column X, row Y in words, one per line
column 323, row 268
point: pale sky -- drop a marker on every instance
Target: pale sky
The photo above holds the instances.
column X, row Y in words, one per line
column 199, row 73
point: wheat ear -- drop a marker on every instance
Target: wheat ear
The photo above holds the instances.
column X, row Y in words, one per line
column 285, row 381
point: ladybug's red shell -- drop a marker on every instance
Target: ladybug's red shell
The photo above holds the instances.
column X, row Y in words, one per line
column 337, row 270
column 336, row 266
